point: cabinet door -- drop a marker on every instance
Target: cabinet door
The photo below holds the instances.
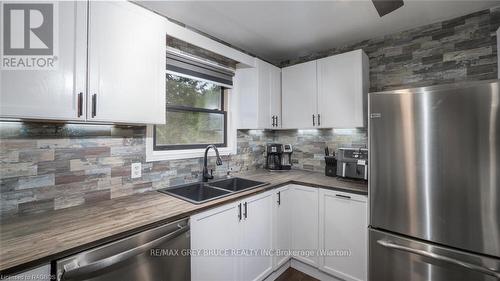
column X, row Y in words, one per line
column 253, row 86
column 299, row 95
column 343, row 229
column 283, row 225
column 259, row 96
column 305, row 222
column 257, row 234
column 275, row 96
column 215, row 229
column 52, row 94
column 40, row 273
column 246, row 84
column 264, row 95
column 342, row 90
column 127, row 58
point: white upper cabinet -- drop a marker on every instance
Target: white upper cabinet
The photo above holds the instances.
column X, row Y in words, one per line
column 326, row 93
column 299, row 96
column 342, row 90
column 127, row 60
column 259, row 96
column 112, row 72
column 275, row 97
column 52, row 94
column 343, row 225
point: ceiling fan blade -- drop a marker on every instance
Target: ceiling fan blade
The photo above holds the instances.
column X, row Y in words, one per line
column 386, row 6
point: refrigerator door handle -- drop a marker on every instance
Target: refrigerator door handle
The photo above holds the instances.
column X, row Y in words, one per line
column 482, row 269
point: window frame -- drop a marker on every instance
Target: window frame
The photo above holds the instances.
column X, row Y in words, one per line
column 181, row 108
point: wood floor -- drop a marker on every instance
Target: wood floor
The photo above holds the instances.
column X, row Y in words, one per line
column 292, row 274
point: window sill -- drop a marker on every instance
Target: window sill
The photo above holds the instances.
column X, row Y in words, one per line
column 166, row 155
column 184, row 154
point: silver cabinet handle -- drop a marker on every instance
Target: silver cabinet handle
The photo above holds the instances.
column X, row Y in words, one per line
column 314, row 123
column 79, row 272
column 482, row 269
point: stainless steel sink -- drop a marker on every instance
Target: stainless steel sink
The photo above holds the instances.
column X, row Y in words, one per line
column 202, row 192
column 196, row 193
column 236, row 184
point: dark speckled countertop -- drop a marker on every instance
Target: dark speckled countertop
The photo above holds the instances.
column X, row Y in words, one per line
column 27, row 241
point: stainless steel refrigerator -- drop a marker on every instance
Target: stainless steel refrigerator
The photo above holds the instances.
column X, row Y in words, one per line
column 434, row 183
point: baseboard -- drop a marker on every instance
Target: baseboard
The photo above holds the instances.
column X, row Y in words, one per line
column 303, row 267
column 275, row 274
column 312, row 271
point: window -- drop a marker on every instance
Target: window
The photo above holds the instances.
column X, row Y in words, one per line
column 195, row 114
column 198, row 95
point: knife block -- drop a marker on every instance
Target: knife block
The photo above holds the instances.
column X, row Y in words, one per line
column 330, row 166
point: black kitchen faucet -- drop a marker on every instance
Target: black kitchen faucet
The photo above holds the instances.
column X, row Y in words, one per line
column 208, row 176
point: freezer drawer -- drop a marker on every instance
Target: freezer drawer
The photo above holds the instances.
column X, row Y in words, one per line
column 154, row 255
column 396, row 258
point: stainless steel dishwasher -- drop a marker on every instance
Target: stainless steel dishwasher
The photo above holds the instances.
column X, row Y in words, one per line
column 160, row 253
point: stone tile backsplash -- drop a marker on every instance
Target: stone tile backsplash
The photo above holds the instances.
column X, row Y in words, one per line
column 309, row 145
column 55, row 166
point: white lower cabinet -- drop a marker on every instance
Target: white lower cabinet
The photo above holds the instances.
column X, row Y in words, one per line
column 238, row 226
column 343, row 234
column 283, row 225
column 257, row 235
column 216, row 229
column 324, row 229
column 305, row 223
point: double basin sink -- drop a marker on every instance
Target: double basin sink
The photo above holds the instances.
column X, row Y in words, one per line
column 202, row 192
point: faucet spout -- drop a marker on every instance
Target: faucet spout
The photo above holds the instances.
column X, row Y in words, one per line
column 218, row 162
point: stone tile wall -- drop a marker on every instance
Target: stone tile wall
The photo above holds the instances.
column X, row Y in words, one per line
column 55, row 166
column 309, row 145
column 460, row 49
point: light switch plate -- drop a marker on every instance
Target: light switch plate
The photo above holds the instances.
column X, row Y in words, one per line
column 136, row 170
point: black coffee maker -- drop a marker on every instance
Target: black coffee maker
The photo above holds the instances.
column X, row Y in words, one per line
column 278, row 157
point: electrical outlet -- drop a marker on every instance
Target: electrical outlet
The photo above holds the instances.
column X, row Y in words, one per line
column 136, row 170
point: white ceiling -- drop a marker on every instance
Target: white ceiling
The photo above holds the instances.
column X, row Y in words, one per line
column 279, row 30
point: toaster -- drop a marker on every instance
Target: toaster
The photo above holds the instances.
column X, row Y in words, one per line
column 352, row 163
